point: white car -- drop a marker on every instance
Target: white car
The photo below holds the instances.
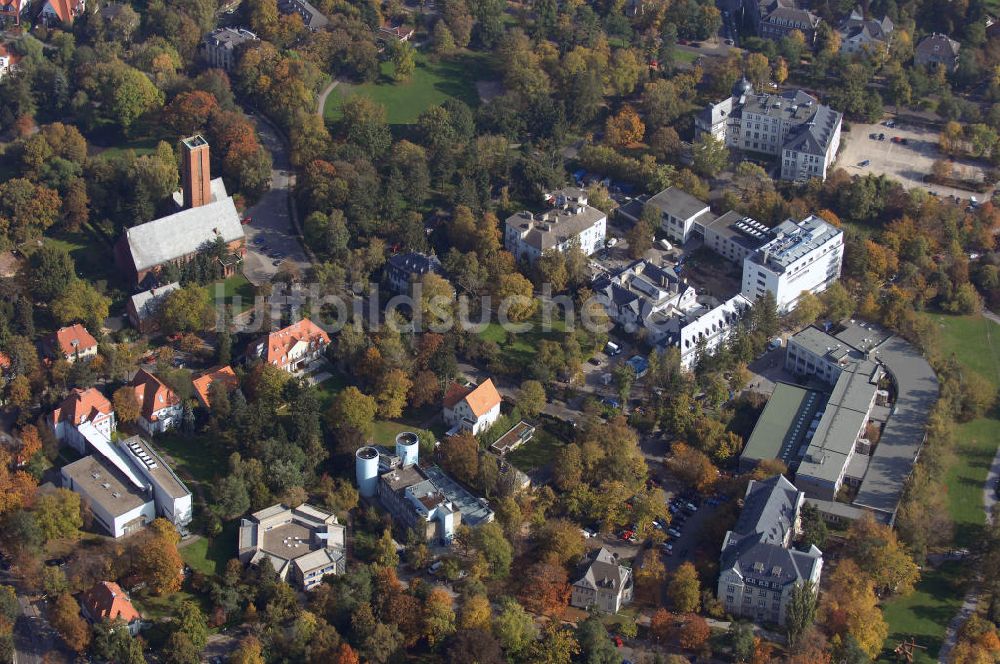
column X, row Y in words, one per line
column 612, row 241
column 666, row 245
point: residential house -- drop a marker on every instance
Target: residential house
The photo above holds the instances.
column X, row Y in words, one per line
column 606, row 585
column 679, row 213
column 643, row 296
column 759, row 567
column 779, row 18
column 220, row 47
column 791, row 126
column 61, row 11
column 159, row 407
column 937, row 49
column 571, row 221
column 304, row 543
column 209, row 216
column 13, row 11
column 471, row 407
column 803, row 256
column 107, row 601
column 143, row 308
column 312, row 18
column 403, row 270
column 72, row 343
column 293, row 348
column 80, row 407
column 203, row 383
column 865, row 35
column 400, row 33
column 8, row 60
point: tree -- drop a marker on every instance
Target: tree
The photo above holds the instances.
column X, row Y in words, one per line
column 58, row 513
column 119, row 93
column 661, row 625
column 112, row 642
column 742, row 639
column 692, row 467
column 514, row 627
column 551, row 269
column 757, row 69
column 624, row 128
column 710, row 156
column 692, row 632
column 81, row 302
column 459, row 455
column 807, row 309
column 557, row 646
column 385, row 551
column 476, row 613
column 437, row 301
column 516, row 297
column 684, row 589
column 404, row 61
column 490, row 540
column 814, row 531
column 189, row 620
column 545, row 589
column 189, row 112
column 439, row 616
column 51, row 270
column 393, row 386
column 27, row 210
column 595, row 646
column 837, row 302
column 801, row 611
column 187, row 309
column 66, row 619
column 567, row 467
column 346, row 655
column 640, row 236
column 180, row 650
column 531, row 398
column 126, row 404
column 877, row 550
column 850, row 608
column 442, row 39
column 157, row 561
column 364, row 124
column 474, row 645
column 249, row 651
column 351, row 415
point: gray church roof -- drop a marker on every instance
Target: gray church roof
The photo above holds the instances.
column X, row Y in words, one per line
column 183, row 233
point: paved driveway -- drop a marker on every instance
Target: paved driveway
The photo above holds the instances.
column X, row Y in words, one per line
column 906, row 163
column 270, row 236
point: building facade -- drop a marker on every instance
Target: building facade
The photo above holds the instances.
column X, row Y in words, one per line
column 160, row 409
column 679, row 213
column 107, row 601
column 937, row 49
column 606, row 585
column 471, row 408
column 292, row 348
column 779, row 18
column 570, row 221
column 80, row 407
column 221, row 46
column 792, row 126
column 758, row 568
column 403, row 270
column 143, row 308
column 803, row 256
column 860, row 35
column 72, row 343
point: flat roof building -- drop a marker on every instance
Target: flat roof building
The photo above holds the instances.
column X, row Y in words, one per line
column 304, row 543
column 783, row 426
column 679, row 212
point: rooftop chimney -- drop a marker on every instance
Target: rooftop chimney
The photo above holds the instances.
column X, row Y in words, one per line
column 195, row 174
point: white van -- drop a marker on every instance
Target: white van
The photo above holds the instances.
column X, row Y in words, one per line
column 665, row 244
column 612, row 349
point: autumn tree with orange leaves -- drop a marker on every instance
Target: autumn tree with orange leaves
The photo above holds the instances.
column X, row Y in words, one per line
column 546, row 589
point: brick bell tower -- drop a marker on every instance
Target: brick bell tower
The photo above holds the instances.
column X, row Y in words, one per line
column 196, row 178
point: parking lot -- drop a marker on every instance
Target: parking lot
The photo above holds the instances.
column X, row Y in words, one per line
column 908, row 163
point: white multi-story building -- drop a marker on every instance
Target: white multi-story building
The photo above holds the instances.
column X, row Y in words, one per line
column 606, row 584
column 758, row 568
column 679, row 213
column 570, row 221
column 219, row 47
column 791, row 126
column 802, row 256
column 705, row 329
column 471, row 408
column 81, row 407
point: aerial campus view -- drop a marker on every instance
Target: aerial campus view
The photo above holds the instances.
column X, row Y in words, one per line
column 499, row 331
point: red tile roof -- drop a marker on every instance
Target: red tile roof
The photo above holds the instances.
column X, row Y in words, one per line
column 74, row 338
column 82, row 406
column 481, row 399
column 66, row 10
column 107, row 601
column 281, row 342
column 152, row 394
column 203, row 383
column 4, row 361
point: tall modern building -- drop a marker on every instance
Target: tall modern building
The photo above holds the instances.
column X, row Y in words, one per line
column 792, row 126
column 802, row 256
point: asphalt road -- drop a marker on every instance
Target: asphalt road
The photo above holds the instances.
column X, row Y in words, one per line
column 271, row 237
column 35, row 641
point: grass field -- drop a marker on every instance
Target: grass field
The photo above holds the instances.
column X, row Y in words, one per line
column 535, row 453
column 520, row 349
column 433, row 82
column 94, row 259
column 925, row 614
column 209, row 555
column 384, row 432
column 198, row 457
column 236, row 285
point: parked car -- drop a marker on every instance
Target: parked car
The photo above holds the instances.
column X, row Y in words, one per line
column 665, row 244
column 691, row 507
column 881, row 137
column 673, row 532
column 864, row 163
column 612, row 241
column 613, row 403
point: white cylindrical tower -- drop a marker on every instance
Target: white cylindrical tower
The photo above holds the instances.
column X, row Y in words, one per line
column 407, row 448
column 366, row 470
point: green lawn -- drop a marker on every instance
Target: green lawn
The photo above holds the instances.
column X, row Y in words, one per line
column 685, row 56
column 519, row 349
column 198, row 457
column 209, row 555
column 384, row 432
column 535, row 453
column 924, row 614
column 236, row 285
column 432, row 83
column 141, row 146
column 94, row 259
